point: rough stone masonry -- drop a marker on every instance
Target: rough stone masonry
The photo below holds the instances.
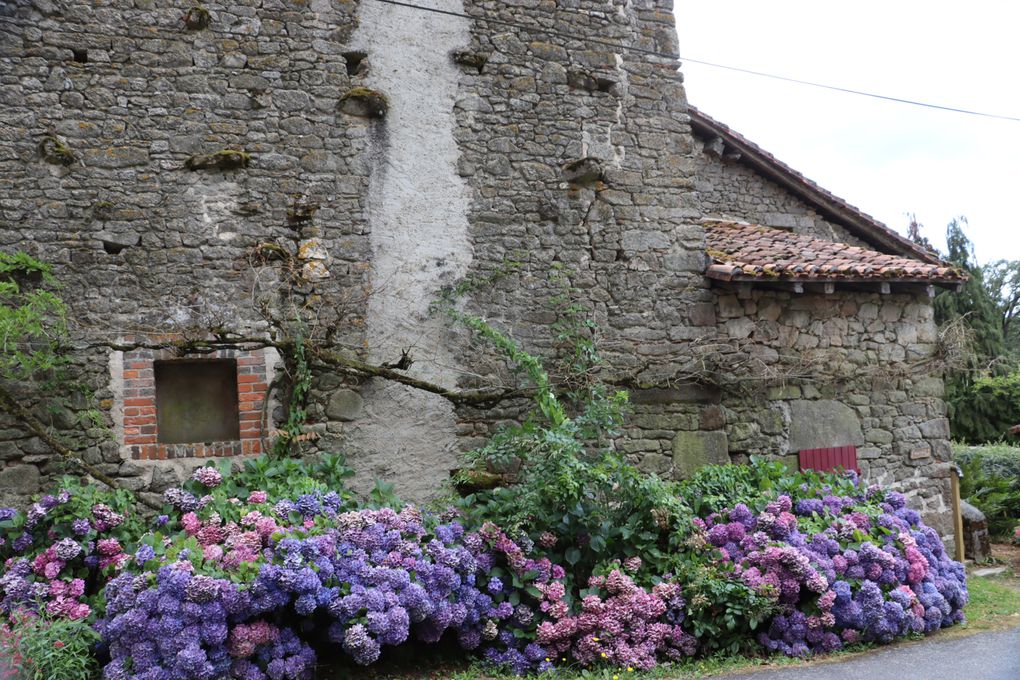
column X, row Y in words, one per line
column 151, row 150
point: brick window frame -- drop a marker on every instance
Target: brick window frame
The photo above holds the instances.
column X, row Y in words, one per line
column 138, row 405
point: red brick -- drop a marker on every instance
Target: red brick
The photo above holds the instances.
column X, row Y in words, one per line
column 140, row 401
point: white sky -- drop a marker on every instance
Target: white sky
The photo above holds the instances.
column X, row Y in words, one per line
column 886, row 158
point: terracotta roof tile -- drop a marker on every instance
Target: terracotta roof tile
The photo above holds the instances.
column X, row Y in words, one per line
column 750, row 251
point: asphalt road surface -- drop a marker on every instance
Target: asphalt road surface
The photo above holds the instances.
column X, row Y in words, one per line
column 986, row 656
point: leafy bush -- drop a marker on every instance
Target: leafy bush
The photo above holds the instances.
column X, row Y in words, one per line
column 997, row 496
column 46, row 649
column 997, row 460
column 991, row 482
column 985, row 409
column 32, row 317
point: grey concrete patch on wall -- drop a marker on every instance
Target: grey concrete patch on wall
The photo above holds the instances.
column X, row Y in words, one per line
column 823, row 423
column 417, row 211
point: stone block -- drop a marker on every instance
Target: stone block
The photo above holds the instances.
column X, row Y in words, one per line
column 163, row 477
column 784, row 392
column 920, row 452
column 935, row 429
column 712, row 418
column 10, row 451
column 703, row 314
column 344, row 405
column 682, row 394
column 823, row 423
column 976, row 542
column 19, row 480
column 655, row 463
column 694, row 450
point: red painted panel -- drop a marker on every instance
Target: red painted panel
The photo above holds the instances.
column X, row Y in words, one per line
column 829, row 459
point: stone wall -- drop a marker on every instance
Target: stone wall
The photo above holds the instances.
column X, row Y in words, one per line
column 728, row 188
column 478, row 152
column 389, row 155
column 106, row 110
column 801, row 371
column 850, row 368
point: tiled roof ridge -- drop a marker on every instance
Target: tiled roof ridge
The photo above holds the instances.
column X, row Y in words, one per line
column 740, row 250
column 850, row 216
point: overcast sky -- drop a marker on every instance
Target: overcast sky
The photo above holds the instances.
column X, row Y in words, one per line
column 886, row 158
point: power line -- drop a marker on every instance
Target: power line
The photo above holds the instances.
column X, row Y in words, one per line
column 836, row 88
column 737, row 69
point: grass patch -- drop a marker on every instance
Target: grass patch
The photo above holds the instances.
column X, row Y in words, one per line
column 994, row 603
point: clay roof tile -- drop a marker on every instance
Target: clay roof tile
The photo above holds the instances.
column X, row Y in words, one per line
column 751, row 250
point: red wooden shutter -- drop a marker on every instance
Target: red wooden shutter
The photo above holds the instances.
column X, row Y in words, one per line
column 829, row 459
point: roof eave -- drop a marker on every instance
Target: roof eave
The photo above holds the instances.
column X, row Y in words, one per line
column 718, row 273
column 856, row 221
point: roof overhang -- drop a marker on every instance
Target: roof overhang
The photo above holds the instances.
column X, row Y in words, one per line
column 830, row 206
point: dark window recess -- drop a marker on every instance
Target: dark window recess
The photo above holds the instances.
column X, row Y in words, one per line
column 196, row 401
column 355, row 64
column 81, row 56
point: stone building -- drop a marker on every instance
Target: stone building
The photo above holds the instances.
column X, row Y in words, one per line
column 211, row 172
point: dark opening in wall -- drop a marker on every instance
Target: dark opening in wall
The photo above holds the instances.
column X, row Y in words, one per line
column 196, row 401
column 81, row 55
column 355, row 62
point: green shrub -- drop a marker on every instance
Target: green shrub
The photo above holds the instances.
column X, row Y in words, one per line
column 984, row 410
column 51, row 649
column 586, row 507
column 718, row 487
column 991, row 483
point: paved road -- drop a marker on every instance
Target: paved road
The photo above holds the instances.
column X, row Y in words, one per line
column 986, row 656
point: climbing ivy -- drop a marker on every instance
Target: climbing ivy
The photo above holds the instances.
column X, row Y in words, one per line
column 292, row 431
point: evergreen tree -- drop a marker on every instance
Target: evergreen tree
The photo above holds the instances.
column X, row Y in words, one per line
column 976, row 302
column 983, row 397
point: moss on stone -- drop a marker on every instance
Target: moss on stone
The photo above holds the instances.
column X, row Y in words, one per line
column 475, row 60
column 225, row 159
column 364, row 102
column 55, row 150
column 197, row 18
column 103, row 210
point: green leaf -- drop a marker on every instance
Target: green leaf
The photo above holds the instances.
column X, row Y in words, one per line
column 572, row 556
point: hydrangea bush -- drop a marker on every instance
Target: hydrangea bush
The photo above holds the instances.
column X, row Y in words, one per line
column 843, row 569
column 237, row 581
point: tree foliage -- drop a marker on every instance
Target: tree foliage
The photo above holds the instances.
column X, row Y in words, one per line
column 32, row 318
column 983, row 397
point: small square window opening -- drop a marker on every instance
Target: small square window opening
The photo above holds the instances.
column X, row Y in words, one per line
column 196, row 401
